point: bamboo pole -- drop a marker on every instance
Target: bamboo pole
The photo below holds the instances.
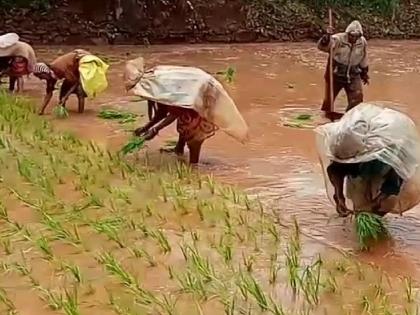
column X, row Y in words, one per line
column 331, row 91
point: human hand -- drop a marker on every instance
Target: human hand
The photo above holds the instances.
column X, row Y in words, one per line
column 139, row 131
column 150, row 134
column 330, row 30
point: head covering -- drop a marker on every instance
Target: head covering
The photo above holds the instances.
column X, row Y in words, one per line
column 20, row 49
column 8, row 40
column 355, row 27
column 134, row 70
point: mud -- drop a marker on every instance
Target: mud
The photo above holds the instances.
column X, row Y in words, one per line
column 274, row 82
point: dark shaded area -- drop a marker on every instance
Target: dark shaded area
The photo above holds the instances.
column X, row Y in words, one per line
column 176, row 21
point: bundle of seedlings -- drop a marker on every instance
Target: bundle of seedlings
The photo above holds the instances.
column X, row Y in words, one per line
column 133, row 145
column 60, row 112
column 370, row 228
column 122, row 117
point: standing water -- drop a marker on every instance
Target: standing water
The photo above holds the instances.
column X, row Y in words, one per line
column 273, row 83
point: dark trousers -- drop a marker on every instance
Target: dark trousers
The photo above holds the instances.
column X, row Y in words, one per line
column 353, row 89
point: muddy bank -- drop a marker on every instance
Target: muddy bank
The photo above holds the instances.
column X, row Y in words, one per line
column 135, row 22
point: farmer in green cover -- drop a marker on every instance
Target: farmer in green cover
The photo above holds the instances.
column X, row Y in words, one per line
column 350, row 65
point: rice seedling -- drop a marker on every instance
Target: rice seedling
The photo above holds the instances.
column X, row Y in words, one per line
column 248, row 284
column 167, row 304
column 7, row 302
column 272, row 229
column 5, row 267
column 113, row 266
column 310, row 281
column 4, row 214
column 54, row 300
column 248, row 262
column 292, row 266
column 228, row 74
column 331, row 284
column 111, row 232
column 276, row 309
column 200, row 264
column 189, row 283
column 122, row 117
column 409, row 290
column 200, row 210
column 22, row 268
column 162, row 241
column 144, row 297
column 274, row 269
column 7, row 246
column 44, row 245
column 170, row 272
column 211, row 184
column 60, row 232
column 370, row 227
column 74, row 271
column 133, row 145
column 60, row 112
column 229, row 305
column 224, row 248
column 71, row 303
column 367, row 305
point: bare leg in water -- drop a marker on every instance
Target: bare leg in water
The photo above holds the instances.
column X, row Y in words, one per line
column 195, row 150
column 337, row 174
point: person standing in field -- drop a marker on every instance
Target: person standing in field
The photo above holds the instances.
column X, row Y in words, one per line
column 350, row 65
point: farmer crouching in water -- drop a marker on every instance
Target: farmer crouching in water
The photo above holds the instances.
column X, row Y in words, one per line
column 83, row 74
column 371, row 158
column 191, row 97
column 350, row 65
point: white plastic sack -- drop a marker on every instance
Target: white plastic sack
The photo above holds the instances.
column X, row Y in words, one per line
column 192, row 88
column 369, row 132
column 8, row 40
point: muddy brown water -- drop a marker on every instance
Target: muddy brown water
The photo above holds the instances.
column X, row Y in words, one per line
column 280, row 164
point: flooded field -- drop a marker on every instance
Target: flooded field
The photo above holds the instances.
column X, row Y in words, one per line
column 191, row 245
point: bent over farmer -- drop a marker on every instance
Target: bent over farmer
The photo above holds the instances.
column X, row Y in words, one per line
column 82, row 73
column 350, row 65
column 370, row 159
column 17, row 59
column 190, row 96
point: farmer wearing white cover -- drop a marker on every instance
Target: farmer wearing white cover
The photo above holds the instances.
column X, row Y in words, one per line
column 350, row 64
column 190, row 96
column 371, row 157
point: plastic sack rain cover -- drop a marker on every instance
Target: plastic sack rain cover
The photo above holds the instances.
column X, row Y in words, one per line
column 188, row 87
column 20, row 49
column 372, row 132
column 8, row 40
column 93, row 75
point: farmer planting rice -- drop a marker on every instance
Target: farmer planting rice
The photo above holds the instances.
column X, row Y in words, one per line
column 371, row 157
column 17, row 59
column 190, row 96
column 82, row 73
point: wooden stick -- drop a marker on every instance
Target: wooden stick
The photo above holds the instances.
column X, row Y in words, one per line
column 330, row 18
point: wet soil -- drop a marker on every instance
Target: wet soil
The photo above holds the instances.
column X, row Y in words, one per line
column 274, row 83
